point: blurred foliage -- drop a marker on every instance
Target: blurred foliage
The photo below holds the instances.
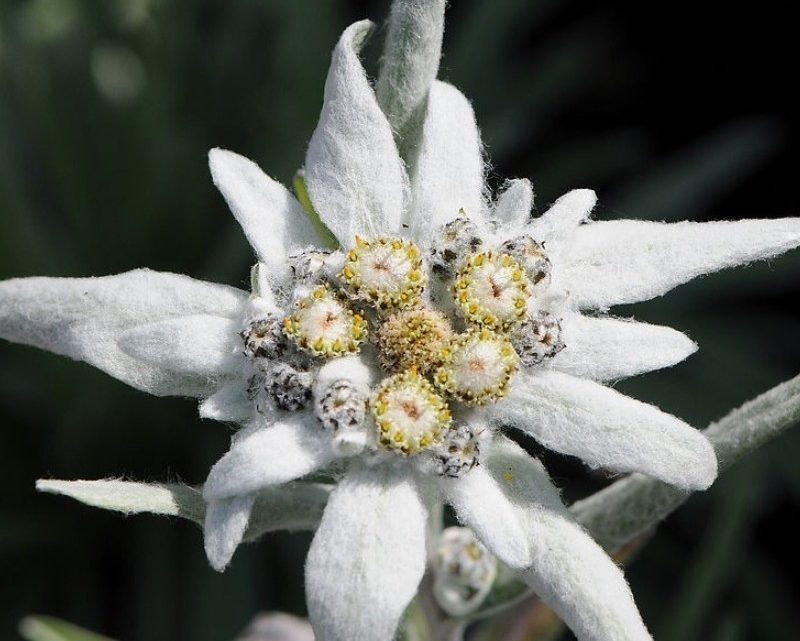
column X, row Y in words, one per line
column 106, row 113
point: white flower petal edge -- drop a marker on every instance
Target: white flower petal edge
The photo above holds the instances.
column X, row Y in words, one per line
column 606, row 429
column 563, row 217
column 225, row 524
column 448, row 174
column 269, row 455
column 83, row 318
column 199, row 345
column 609, row 349
column 273, row 221
column 481, row 505
column 354, row 175
column 625, row 261
column 568, row 570
column 367, row 557
column 228, row 404
column 512, row 209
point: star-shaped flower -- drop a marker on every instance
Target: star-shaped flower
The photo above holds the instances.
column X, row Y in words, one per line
column 393, row 362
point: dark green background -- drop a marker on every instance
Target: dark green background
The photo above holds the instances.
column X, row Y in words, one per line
column 106, row 112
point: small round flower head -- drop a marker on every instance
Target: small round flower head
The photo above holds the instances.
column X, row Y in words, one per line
column 386, row 272
column 476, row 367
column 463, row 571
column 412, row 338
column 409, row 415
column 342, row 405
column 537, row 338
column 263, row 338
column 451, row 245
column 491, row 290
column 323, row 326
column 309, row 267
column 289, row 388
column 530, row 256
column 458, row 452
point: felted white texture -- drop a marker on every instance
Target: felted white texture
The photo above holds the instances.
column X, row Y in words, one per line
column 200, row 345
column 83, row 318
column 225, row 524
column 410, row 60
column 609, row 349
column 228, row 404
column 481, row 505
column 367, row 557
column 273, row 221
column 448, row 174
column 352, row 368
column 354, row 175
column 128, row 497
column 512, row 209
column 606, row 429
column 568, row 570
column 564, row 216
column 626, row 261
column 270, row 455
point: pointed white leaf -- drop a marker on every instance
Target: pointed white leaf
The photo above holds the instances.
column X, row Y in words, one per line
column 128, row 497
column 512, row 210
column 448, row 174
column 608, row 349
column 568, row 570
column 228, row 404
column 83, row 318
column 201, row 345
column 481, row 505
column 269, row 455
column 367, row 557
column 225, row 524
column 355, row 178
column 564, row 216
column 273, row 221
column 626, row 261
column 606, row 429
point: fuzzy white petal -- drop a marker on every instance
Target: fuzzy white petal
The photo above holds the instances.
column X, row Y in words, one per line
column 367, row 557
column 355, row 178
column 270, row 455
column 83, row 318
column 512, row 210
column 482, row 506
column 608, row 349
column 228, row 404
column 607, row 429
column 626, row 261
column 197, row 345
column 225, row 524
column 564, row 216
column 568, row 570
column 272, row 219
column 448, row 174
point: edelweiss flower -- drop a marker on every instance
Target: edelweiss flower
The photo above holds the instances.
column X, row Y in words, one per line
column 395, row 361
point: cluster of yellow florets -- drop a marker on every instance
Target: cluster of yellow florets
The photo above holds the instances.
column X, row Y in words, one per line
column 412, row 338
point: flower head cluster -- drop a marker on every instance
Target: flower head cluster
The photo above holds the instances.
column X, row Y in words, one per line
column 393, row 363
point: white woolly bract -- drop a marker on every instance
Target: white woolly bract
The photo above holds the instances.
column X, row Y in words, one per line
column 350, row 368
column 568, row 570
column 606, row 429
column 626, row 261
column 267, row 456
column 198, row 345
column 367, row 556
column 273, row 221
column 563, row 216
column 225, row 524
column 83, row 318
column 481, row 505
column 609, row 349
column 448, row 175
column 229, row 403
column 355, row 178
column 512, row 209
